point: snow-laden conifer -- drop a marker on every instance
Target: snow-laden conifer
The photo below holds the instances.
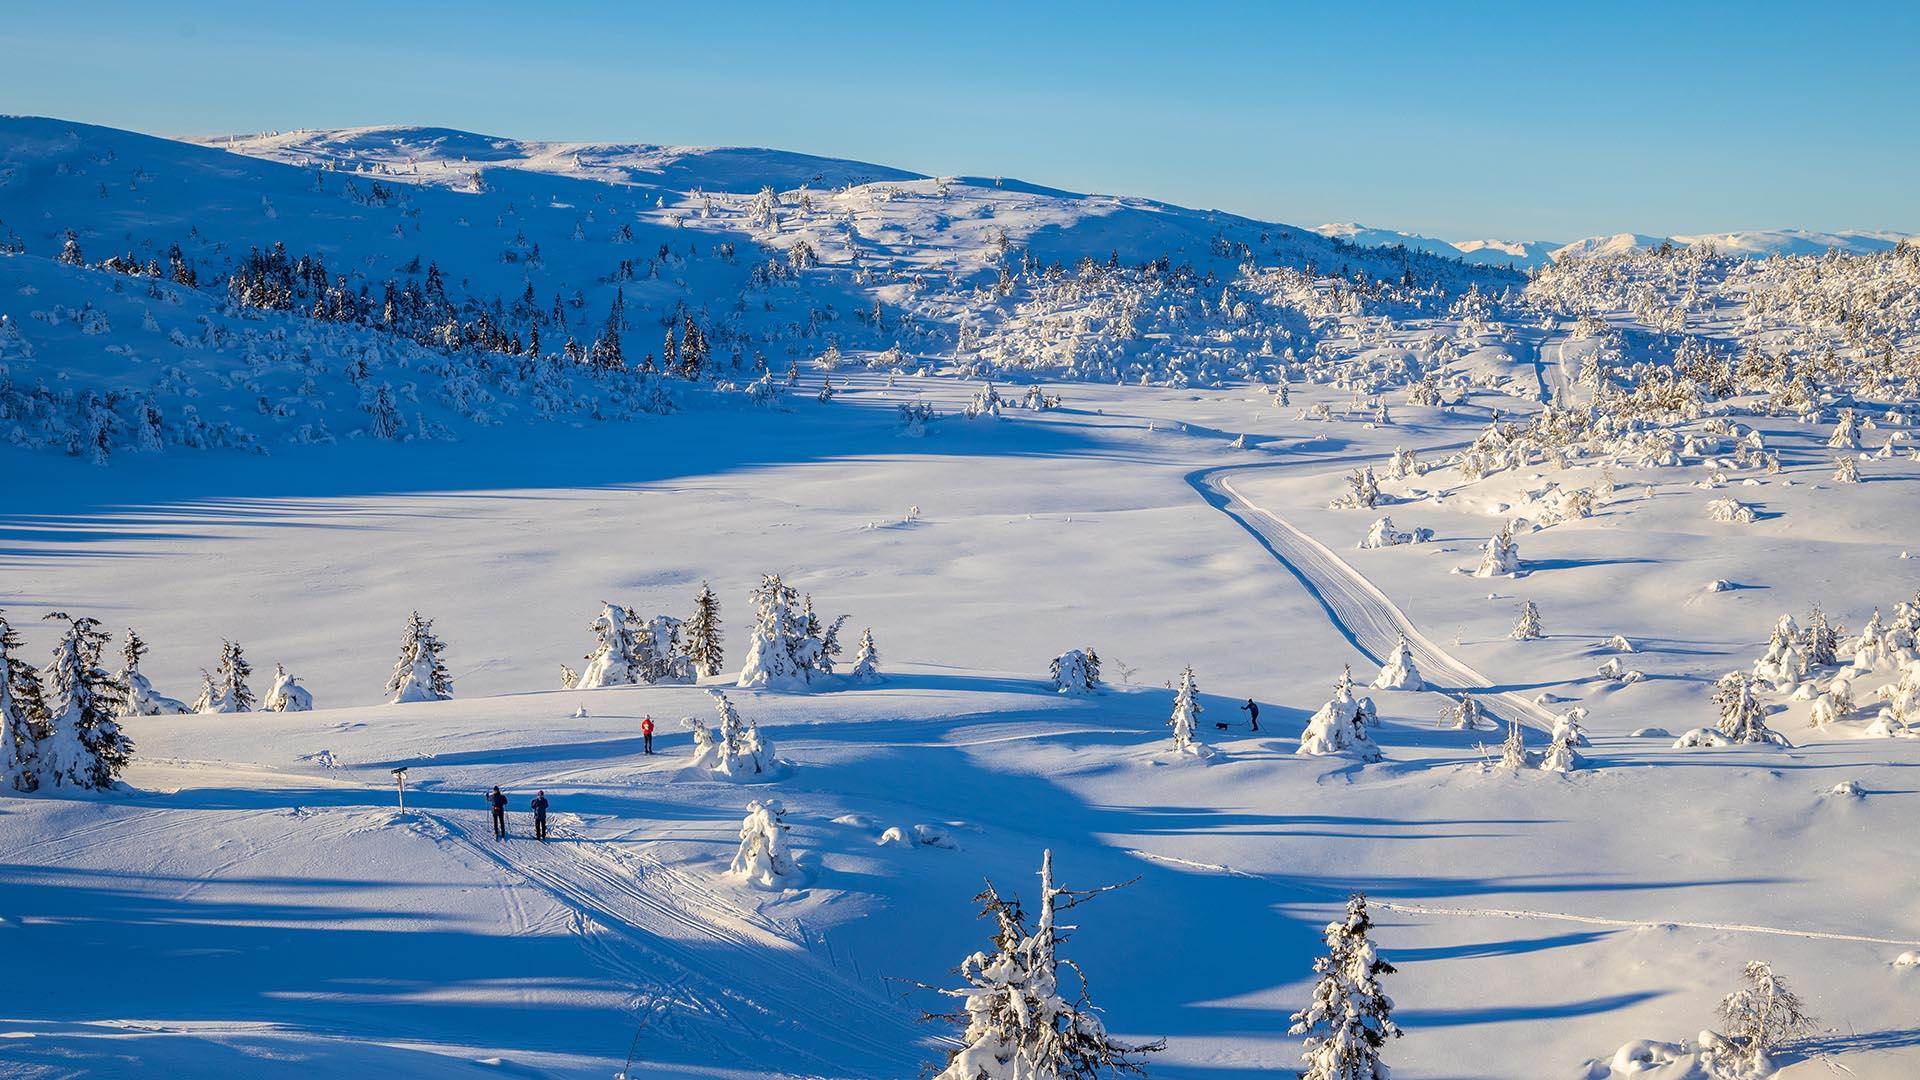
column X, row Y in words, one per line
column 762, row 858
column 866, row 659
column 1019, row 1021
column 615, row 660
column 23, row 714
column 225, row 690
column 138, row 697
column 702, row 633
column 1399, row 672
column 84, row 746
column 287, row 695
column 1340, row 726
column 1185, row 720
column 1349, row 1018
column 1742, row 719
column 419, row 673
column 1528, row 628
column 733, row 748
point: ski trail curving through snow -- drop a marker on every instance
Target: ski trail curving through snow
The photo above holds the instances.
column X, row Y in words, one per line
column 1363, row 614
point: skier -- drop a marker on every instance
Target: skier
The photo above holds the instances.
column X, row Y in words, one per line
column 499, row 803
column 539, row 805
column 1253, row 713
column 646, row 735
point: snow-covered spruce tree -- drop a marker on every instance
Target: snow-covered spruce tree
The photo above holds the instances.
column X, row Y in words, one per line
column 84, row 746
column 1513, row 752
column 1846, row 470
column 616, row 660
column 1763, row 1015
column 1501, row 556
column 762, row 857
column 1742, row 719
column 419, row 674
column 1185, row 720
column 1560, row 757
column 226, row 690
column 1074, row 672
column 1785, row 662
column 1018, row 1023
column 702, row 633
column 1349, row 1018
column 866, row 660
column 1363, row 492
column 287, row 695
column 23, row 714
column 779, row 632
column 1821, row 640
column 734, row 748
column 1463, row 714
column 666, row 656
column 1528, row 628
column 1399, row 672
column 1340, row 726
column 138, row 697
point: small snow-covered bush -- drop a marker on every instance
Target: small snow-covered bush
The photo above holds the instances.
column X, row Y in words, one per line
column 1076, row 671
column 1382, row 534
column 1731, row 511
column 762, row 859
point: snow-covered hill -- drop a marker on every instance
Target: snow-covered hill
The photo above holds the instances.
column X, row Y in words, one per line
column 275, row 393
column 1510, row 253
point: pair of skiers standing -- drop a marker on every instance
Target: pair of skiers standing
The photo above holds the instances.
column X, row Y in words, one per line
column 497, row 801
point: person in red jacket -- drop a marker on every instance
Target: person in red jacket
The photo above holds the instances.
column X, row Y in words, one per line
column 646, row 735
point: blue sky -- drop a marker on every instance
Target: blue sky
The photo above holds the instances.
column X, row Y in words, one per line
column 1515, row 121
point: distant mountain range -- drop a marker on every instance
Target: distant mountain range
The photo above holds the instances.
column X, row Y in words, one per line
column 1521, row 254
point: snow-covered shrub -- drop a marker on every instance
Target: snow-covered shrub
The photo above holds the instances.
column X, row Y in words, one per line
column 1382, row 534
column 1076, row 671
column 1701, row 737
column 287, row 695
column 1731, row 511
column 762, row 858
column 1763, row 1015
column 1400, row 672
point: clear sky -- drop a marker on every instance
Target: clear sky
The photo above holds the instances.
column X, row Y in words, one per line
column 1525, row 121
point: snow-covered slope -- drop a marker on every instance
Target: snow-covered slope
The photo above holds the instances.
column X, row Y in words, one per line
column 993, row 422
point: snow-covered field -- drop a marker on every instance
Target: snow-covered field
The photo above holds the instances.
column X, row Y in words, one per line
column 207, row 464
